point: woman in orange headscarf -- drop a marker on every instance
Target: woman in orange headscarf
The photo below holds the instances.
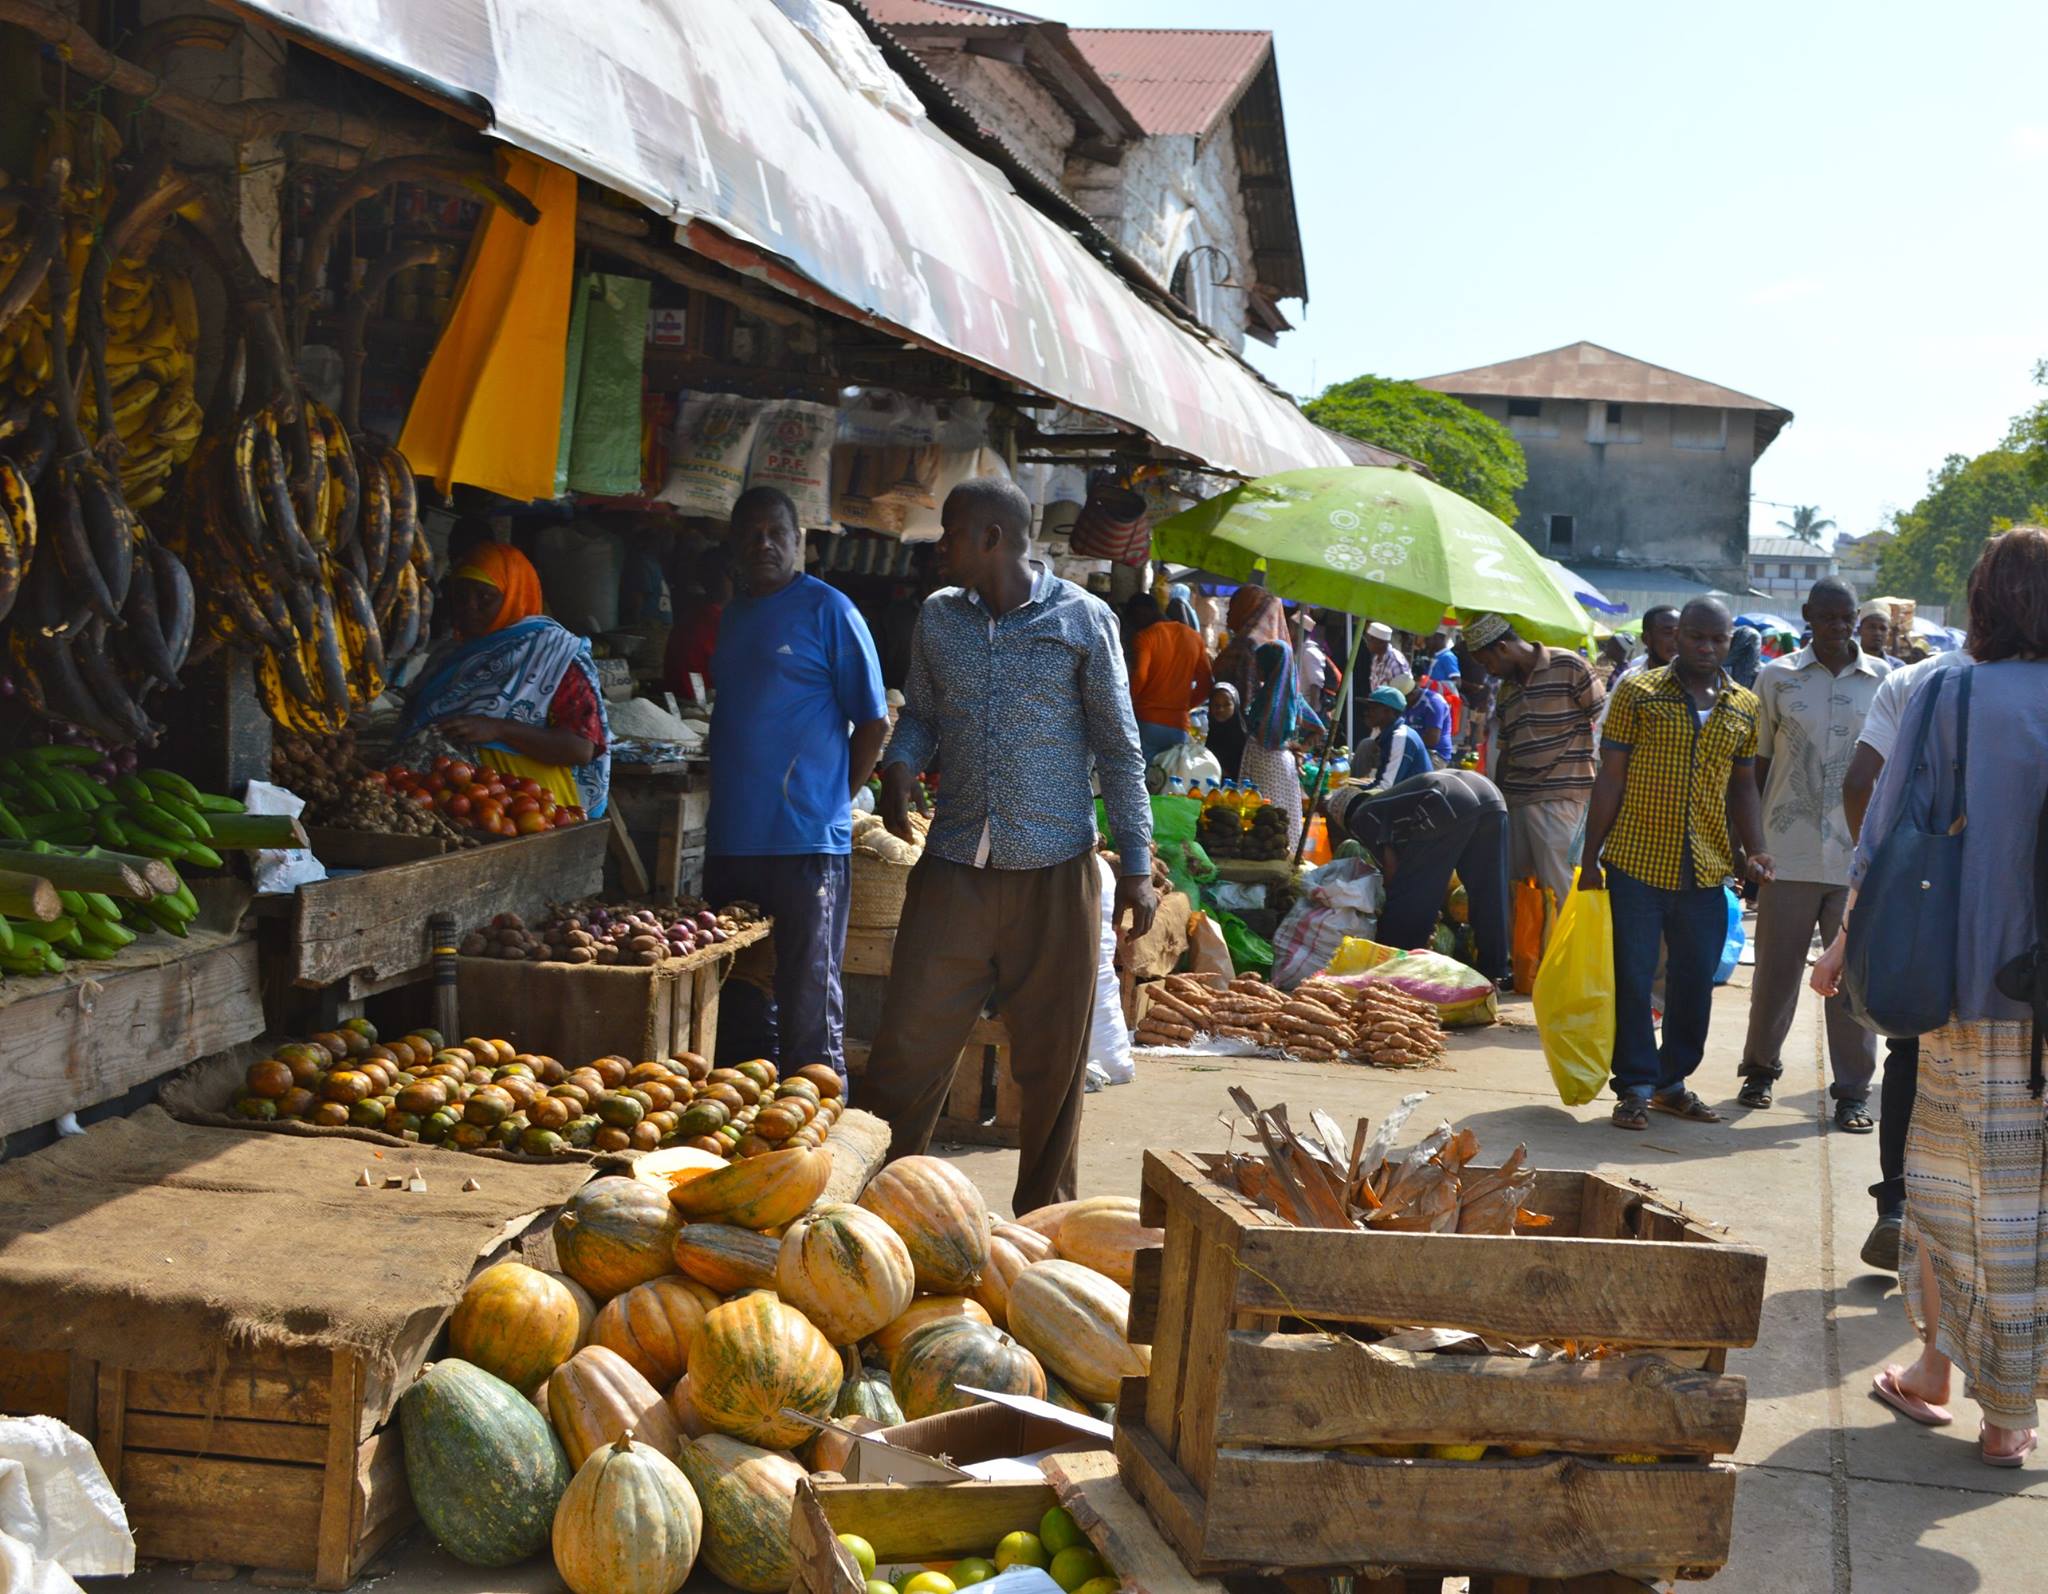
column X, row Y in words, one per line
column 517, row 689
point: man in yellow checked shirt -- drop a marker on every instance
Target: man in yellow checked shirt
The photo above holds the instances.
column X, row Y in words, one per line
column 516, row 687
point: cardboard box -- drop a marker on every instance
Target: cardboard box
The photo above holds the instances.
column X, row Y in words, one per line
column 1002, row 1438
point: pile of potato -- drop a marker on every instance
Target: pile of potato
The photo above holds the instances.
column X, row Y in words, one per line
column 611, row 934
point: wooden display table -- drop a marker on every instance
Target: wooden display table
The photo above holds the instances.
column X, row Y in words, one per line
column 665, row 809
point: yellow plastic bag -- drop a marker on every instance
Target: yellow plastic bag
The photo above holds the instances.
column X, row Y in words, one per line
column 1355, row 955
column 1574, row 998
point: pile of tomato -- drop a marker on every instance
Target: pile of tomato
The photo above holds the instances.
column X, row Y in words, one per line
column 481, row 799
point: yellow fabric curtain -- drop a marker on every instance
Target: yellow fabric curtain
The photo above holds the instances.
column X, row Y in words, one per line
column 489, row 408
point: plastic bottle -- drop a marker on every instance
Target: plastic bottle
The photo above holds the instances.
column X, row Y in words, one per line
column 1176, row 787
column 1228, row 797
column 1250, row 800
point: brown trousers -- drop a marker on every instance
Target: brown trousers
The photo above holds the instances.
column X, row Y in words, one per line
column 1029, row 939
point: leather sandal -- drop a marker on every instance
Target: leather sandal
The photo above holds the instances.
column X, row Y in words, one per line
column 1686, row 1104
column 1853, row 1118
column 1755, row 1092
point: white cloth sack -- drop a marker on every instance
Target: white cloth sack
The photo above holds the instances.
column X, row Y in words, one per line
column 59, row 1516
column 274, row 871
column 1339, row 899
column 1109, row 1043
column 1191, row 761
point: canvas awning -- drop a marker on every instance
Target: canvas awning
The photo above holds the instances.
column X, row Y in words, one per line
column 794, row 143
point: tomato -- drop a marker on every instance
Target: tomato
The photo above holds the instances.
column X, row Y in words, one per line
column 564, row 816
column 460, row 773
column 399, row 774
column 442, row 762
column 575, row 814
column 487, row 813
column 457, row 805
column 523, row 805
column 424, row 799
column 530, row 823
column 530, row 788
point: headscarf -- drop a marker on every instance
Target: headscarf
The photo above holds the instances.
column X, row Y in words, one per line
column 1745, row 655
column 1180, row 606
column 1248, row 606
column 1278, row 708
column 510, row 574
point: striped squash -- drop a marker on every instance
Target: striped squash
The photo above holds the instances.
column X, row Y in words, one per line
column 1047, row 1220
column 629, row 1523
column 753, row 1358
column 1106, row 1235
column 940, row 1357
column 747, row 1494
column 726, row 1258
column 616, row 1233
column 652, row 1325
column 940, row 1217
column 485, row 1473
column 846, row 1270
column 596, row 1395
column 888, row 1341
column 763, row 1192
column 1074, row 1320
column 1010, row 1251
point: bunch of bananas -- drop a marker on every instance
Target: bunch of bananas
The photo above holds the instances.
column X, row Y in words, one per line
column 321, row 558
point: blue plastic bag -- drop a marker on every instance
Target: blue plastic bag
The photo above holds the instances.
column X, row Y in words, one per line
column 1731, row 949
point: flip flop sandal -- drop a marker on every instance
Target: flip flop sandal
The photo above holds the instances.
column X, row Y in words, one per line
column 1886, row 1387
column 2016, row 1458
column 1757, row 1093
column 1853, row 1118
column 1685, row 1105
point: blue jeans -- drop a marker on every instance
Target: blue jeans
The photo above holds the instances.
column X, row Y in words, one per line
column 1692, row 925
column 807, row 893
column 1157, row 739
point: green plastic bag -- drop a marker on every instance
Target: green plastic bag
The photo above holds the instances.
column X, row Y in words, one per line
column 1173, row 833
column 604, row 453
column 1249, row 953
column 1574, row 998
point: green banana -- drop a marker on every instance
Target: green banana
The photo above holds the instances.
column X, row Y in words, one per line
column 35, row 930
column 6, row 936
column 89, row 792
column 103, row 906
column 187, row 815
column 177, row 785
column 157, row 820
column 165, row 916
column 107, row 826
column 208, row 802
column 56, row 753
column 198, row 852
column 10, row 827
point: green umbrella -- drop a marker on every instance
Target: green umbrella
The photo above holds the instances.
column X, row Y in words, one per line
column 1387, row 544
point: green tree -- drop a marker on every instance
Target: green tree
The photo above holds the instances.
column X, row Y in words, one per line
column 1806, row 523
column 1464, row 449
column 1939, row 538
column 2028, row 436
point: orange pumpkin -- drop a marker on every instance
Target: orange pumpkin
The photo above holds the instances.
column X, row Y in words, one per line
column 616, row 1233
column 652, row 1325
column 596, row 1395
column 729, row 1260
column 1010, row 1251
column 516, row 1323
column 747, row 1494
column 586, row 1307
column 761, row 1192
column 939, row 1215
column 684, row 1410
column 1047, row 1220
column 1105, row 1234
column 846, row 1270
column 629, row 1523
column 1073, row 1319
column 951, row 1351
column 754, row 1357
column 926, row 1308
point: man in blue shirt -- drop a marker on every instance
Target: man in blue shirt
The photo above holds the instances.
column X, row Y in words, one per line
column 1018, row 692
column 1439, row 658
column 1402, row 753
column 799, row 720
column 1430, row 717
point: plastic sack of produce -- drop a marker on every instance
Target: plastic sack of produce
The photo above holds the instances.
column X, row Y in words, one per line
column 1189, row 761
column 1575, row 998
column 1463, row 998
column 1338, row 902
column 707, row 460
column 1109, row 1042
column 1358, row 954
column 793, row 451
column 1208, row 952
column 1250, row 953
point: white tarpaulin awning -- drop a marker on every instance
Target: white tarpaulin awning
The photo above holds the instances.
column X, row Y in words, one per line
column 727, row 113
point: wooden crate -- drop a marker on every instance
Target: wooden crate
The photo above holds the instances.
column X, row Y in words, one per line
column 1233, row 1442
column 340, row 848
column 269, row 1462
column 961, row 1122
column 577, row 1012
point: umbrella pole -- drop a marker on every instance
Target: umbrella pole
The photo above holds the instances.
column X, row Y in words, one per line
column 1323, row 764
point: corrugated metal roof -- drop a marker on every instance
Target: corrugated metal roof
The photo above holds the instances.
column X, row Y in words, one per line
column 913, row 13
column 1175, row 80
column 1786, row 548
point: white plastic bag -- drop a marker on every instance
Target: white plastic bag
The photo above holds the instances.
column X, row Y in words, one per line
column 1109, row 1043
column 1190, row 761
column 275, row 872
column 1340, row 899
column 59, row 1516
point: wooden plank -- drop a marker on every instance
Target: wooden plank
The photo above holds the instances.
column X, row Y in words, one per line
column 35, row 1383
column 383, row 1502
column 702, row 1033
column 375, row 924
column 223, row 1436
column 1560, row 1517
column 934, row 1521
column 1209, row 1312
column 249, row 1513
column 868, row 952
column 633, row 876
column 113, row 1393
column 1147, row 1277
column 338, row 848
column 1613, row 1292
column 84, row 1398
column 859, row 1144
column 1321, row 1390
column 333, row 1559
column 1116, row 1524
column 66, row 1050
column 1170, row 1326
column 268, row 1384
column 1161, row 1487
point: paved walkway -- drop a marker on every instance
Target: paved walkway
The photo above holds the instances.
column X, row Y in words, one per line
column 1836, row 1493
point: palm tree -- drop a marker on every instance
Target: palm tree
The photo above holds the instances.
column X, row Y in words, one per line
column 1806, row 523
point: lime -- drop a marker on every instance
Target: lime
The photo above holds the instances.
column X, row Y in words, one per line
column 1100, row 1585
column 1019, row 1549
column 1057, row 1532
column 1076, row 1565
column 863, row 1552
column 877, row 1586
column 930, row 1583
column 972, row 1569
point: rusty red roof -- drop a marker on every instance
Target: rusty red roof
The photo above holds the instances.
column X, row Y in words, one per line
column 910, row 13
column 1173, row 80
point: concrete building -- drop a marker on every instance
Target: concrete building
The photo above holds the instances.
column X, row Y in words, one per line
column 1171, row 140
column 1638, row 475
column 1856, row 560
column 1784, row 570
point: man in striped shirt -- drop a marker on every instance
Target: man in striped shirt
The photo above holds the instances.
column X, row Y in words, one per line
column 1549, row 702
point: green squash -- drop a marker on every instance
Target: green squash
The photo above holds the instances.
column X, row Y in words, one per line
column 485, row 1468
column 867, row 1393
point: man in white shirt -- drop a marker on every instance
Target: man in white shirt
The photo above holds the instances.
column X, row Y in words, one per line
column 1388, row 662
column 1813, row 705
column 1881, row 731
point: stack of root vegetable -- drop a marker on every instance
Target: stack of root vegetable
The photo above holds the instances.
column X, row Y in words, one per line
column 1326, row 1020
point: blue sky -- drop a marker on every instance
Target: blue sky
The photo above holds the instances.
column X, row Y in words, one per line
column 1833, row 207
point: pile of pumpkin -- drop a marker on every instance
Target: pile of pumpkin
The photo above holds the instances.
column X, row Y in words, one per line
column 483, row 1092
column 632, row 1407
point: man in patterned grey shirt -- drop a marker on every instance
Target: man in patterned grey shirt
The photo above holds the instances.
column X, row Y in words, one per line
column 1017, row 690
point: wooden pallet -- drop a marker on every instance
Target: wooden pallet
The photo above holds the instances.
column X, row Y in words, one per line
column 1235, row 1442
column 263, row 1462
